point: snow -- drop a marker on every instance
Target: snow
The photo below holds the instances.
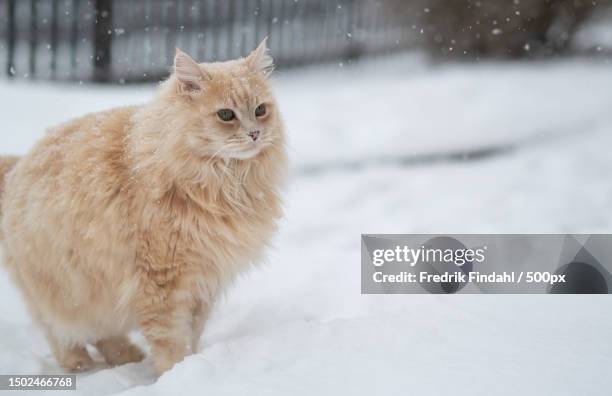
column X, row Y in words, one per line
column 376, row 148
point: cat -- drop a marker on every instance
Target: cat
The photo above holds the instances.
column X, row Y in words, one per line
column 137, row 218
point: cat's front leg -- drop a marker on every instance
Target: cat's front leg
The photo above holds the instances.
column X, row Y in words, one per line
column 201, row 311
column 165, row 322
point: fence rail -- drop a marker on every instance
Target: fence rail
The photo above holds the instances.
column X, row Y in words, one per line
column 114, row 40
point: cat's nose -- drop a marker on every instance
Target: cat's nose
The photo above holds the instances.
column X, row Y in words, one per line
column 254, row 135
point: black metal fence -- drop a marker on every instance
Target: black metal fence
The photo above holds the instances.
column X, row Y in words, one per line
column 116, row 41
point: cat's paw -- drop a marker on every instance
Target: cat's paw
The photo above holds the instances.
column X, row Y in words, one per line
column 119, row 350
column 131, row 354
column 166, row 357
column 163, row 364
column 76, row 360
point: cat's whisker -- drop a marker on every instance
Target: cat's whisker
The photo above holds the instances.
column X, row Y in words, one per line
column 214, row 156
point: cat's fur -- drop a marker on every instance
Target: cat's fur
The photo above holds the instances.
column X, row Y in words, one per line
column 138, row 217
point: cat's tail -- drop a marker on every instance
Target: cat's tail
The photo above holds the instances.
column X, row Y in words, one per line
column 7, row 162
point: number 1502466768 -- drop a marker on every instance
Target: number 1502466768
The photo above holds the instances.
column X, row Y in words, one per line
column 37, row 382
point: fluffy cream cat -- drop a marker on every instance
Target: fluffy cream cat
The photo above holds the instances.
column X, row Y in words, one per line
column 138, row 217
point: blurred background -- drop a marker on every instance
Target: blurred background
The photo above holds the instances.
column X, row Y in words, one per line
column 414, row 116
column 120, row 41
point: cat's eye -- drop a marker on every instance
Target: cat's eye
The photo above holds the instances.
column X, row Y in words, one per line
column 260, row 111
column 226, row 115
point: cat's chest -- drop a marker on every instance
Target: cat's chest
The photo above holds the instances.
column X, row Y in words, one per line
column 218, row 229
column 210, row 247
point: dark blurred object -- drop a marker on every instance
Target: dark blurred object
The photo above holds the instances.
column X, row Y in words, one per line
column 471, row 29
column 580, row 278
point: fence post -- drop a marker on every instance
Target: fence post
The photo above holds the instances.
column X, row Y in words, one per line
column 103, row 40
column 74, row 36
column 33, row 37
column 10, row 64
column 354, row 48
column 54, row 37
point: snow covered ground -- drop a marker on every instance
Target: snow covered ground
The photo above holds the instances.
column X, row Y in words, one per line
column 376, row 148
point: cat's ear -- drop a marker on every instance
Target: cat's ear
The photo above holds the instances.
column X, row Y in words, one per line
column 260, row 61
column 189, row 74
